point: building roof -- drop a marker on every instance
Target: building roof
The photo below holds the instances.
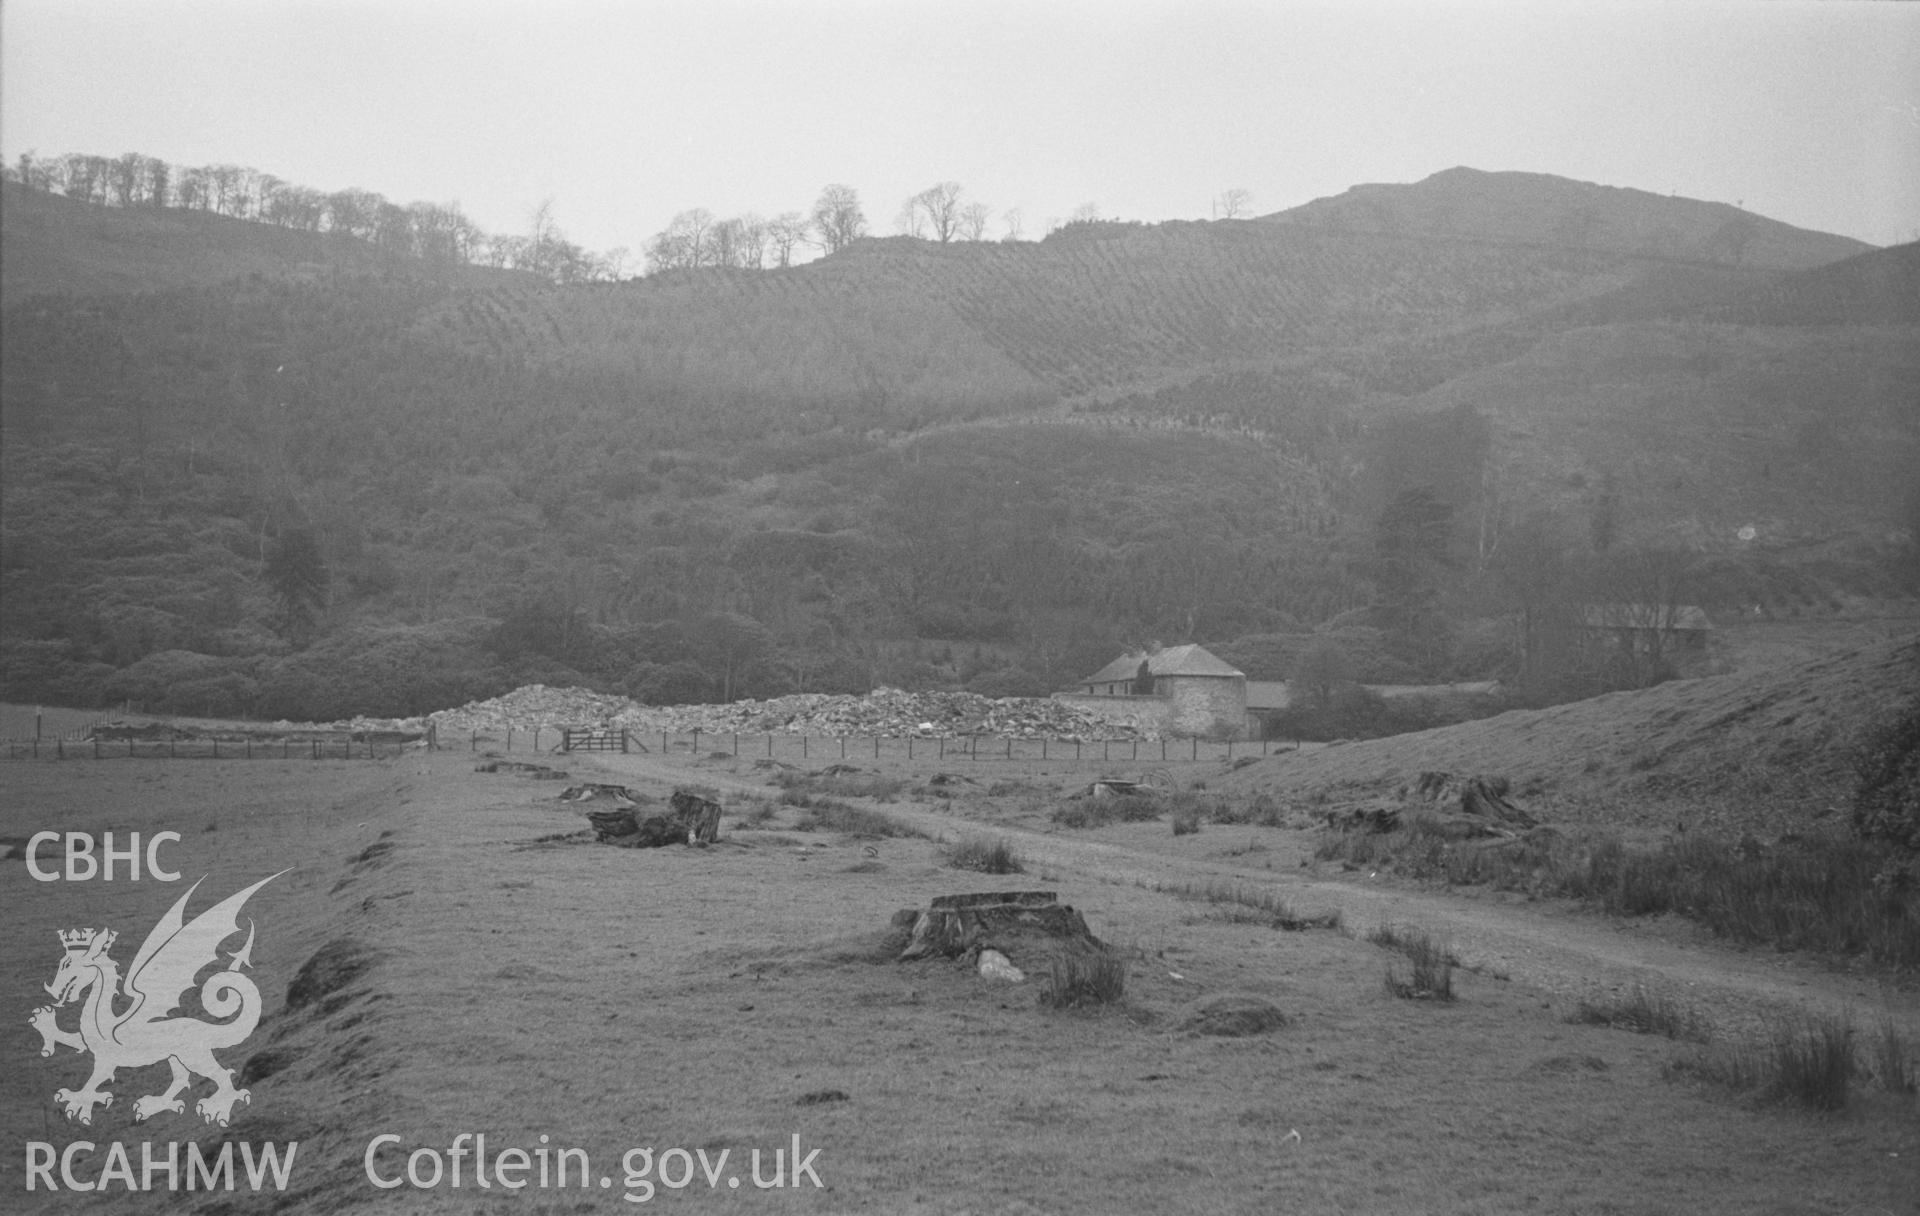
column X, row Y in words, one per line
column 1189, row 660
column 1644, row 616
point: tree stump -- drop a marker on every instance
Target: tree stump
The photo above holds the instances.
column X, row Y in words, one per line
column 1026, row 926
column 688, row 819
column 1483, row 797
column 699, row 816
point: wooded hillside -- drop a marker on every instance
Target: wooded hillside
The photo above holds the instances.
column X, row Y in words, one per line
column 251, row 487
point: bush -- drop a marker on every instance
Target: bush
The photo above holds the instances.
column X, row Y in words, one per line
column 995, row 856
column 1828, row 894
column 829, row 815
column 1097, row 812
column 1642, row 1013
column 1433, row 964
column 183, row 682
column 1806, row 1062
column 383, row 671
column 1886, row 804
column 1078, row 978
column 843, row 785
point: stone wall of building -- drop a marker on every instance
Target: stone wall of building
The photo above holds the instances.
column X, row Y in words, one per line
column 1208, row 706
column 1213, row 706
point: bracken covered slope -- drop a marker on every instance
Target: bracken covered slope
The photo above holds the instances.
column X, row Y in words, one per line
column 1766, row 751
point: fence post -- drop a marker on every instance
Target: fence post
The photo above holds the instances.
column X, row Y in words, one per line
column 1229, row 749
column 60, row 749
column 1009, row 747
column 876, row 747
column 1163, row 749
column 663, row 742
column 509, row 738
column 736, row 742
column 1196, row 747
column 1136, row 748
column 1106, row 749
column 803, row 745
column 909, row 747
column 943, row 747
column 769, row 745
column 316, row 749
column 1043, row 747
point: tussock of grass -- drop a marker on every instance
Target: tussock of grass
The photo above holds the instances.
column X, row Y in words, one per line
column 841, row 785
column 1807, row 1062
column 1892, row 1063
column 1642, row 1013
column 1251, row 906
column 1263, row 810
column 825, row 814
column 988, row 856
column 1823, row 894
column 1190, row 807
column 1094, row 812
column 1079, row 979
column 1432, row 964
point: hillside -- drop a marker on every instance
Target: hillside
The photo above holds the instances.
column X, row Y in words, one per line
column 1544, row 210
column 51, row 244
column 1767, row 751
column 909, row 463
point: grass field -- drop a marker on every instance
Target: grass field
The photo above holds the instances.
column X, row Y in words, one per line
column 25, row 722
column 466, row 960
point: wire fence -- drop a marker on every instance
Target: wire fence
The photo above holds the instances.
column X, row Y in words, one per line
column 25, row 723
column 83, row 743
column 201, row 749
column 805, row 748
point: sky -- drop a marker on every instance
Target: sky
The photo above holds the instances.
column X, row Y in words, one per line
column 624, row 114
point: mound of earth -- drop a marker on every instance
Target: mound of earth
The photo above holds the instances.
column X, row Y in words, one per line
column 1767, row 752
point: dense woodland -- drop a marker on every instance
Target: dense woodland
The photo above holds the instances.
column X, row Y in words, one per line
column 1325, row 452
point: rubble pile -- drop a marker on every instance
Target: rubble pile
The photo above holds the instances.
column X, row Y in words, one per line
column 531, row 706
column 885, row 713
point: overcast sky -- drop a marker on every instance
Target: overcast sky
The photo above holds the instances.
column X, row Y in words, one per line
column 626, row 113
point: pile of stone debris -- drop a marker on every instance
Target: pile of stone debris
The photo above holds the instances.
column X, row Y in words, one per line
column 885, row 713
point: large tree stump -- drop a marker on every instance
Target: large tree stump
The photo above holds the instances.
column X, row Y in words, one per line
column 688, row 819
column 1483, row 797
column 700, row 816
column 1026, row 926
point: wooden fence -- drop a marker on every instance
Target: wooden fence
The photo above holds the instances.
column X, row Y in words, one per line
column 200, row 749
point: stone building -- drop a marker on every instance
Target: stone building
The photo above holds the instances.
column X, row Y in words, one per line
column 1180, row 690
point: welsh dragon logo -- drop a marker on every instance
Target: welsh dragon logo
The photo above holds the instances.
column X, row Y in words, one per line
column 142, row 1033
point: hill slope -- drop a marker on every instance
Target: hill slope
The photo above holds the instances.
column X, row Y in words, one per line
column 1542, row 209
column 715, row 482
column 51, row 244
column 1765, row 751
